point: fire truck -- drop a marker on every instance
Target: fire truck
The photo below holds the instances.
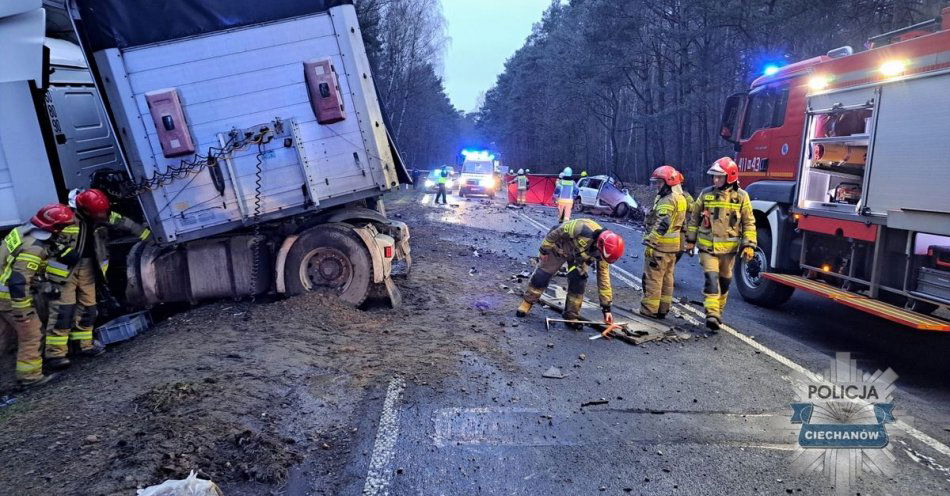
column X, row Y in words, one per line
column 846, row 158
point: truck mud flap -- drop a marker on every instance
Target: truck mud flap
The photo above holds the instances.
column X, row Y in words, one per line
column 863, row 303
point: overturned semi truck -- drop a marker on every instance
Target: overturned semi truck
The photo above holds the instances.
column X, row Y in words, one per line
column 247, row 135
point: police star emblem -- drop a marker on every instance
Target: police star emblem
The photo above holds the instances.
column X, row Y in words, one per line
column 843, row 415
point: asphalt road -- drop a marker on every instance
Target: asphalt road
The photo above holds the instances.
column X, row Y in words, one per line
column 708, row 416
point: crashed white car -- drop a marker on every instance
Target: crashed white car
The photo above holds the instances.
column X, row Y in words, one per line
column 602, row 195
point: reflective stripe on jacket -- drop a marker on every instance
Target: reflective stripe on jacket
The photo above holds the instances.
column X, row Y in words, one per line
column 565, row 190
column 77, row 236
column 721, row 221
column 575, row 242
column 665, row 223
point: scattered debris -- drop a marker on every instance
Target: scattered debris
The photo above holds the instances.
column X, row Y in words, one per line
column 582, row 356
column 472, row 271
column 6, row 401
column 553, row 373
column 602, row 401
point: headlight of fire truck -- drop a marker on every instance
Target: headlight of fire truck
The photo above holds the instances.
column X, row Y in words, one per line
column 487, row 182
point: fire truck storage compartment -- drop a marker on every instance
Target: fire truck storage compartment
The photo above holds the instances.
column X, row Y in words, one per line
column 836, row 150
column 910, row 167
column 233, row 82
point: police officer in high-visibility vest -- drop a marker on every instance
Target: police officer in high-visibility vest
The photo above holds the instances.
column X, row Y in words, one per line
column 579, row 243
column 721, row 224
column 441, row 179
column 72, row 316
column 664, row 226
column 564, row 193
column 24, row 255
column 521, row 180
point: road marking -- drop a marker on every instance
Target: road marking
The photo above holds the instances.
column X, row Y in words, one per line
column 380, row 471
column 899, row 424
column 636, row 283
column 534, row 222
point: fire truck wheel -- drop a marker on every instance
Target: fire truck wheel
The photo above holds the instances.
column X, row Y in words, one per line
column 748, row 276
column 330, row 258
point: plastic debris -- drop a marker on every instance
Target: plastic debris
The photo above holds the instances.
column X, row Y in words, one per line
column 192, row 486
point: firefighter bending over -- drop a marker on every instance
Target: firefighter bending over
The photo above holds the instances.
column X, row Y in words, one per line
column 24, row 256
column 721, row 223
column 664, row 226
column 578, row 243
column 73, row 315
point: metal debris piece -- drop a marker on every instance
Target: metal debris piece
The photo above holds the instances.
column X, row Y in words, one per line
column 601, row 401
column 553, row 373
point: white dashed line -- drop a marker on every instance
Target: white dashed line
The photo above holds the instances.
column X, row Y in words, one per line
column 635, row 282
column 380, row 464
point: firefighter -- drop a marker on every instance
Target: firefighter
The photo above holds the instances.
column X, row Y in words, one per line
column 564, row 193
column 441, row 180
column 578, row 243
column 722, row 224
column 522, row 181
column 664, row 226
column 73, row 315
column 27, row 253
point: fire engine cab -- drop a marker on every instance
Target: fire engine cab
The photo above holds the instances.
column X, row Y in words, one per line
column 846, row 157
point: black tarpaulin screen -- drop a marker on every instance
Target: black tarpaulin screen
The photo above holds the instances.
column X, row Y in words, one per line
column 127, row 23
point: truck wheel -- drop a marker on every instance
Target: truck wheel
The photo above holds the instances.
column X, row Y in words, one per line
column 622, row 210
column 332, row 259
column 748, row 276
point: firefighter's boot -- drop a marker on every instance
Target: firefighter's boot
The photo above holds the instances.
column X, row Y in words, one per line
column 94, row 350
column 57, row 363
column 572, row 309
column 32, row 383
column 713, row 322
column 524, row 308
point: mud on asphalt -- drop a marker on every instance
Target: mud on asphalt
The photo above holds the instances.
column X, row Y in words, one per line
column 245, row 393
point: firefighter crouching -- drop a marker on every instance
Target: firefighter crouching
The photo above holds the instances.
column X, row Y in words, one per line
column 73, row 315
column 721, row 224
column 578, row 243
column 25, row 256
column 663, row 242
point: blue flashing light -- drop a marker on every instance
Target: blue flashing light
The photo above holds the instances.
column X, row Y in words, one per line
column 771, row 69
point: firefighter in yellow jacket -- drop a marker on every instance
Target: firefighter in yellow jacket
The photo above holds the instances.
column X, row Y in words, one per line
column 722, row 224
column 24, row 255
column 663, row 241
column 73, row 315
column 577, row 243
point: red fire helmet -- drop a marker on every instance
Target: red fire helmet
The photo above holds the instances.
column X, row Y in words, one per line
column 93, row 203
column 53, row 217
column 610, row 245
column 725, row 167
column 667, row 174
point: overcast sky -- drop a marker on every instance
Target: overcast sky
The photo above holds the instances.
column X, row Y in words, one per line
column 484, row 33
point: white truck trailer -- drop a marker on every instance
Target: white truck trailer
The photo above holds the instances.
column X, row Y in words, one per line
column 247, row 135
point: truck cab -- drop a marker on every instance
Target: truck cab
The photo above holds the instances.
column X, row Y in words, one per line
column 825, row 148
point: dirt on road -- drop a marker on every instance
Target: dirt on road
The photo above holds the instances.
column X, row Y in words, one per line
column 243, row 393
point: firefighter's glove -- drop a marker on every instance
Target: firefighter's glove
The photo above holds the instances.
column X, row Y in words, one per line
column 50, row 290
column 648, row 252
column 748, row 253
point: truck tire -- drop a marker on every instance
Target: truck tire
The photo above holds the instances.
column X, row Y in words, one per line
column 622, row 210
column 752, row 286
column 333, row 259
